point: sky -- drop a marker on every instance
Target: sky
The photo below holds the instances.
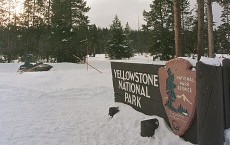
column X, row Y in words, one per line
column 103, row 12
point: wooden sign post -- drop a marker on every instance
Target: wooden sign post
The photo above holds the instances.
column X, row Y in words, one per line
column 178, row 91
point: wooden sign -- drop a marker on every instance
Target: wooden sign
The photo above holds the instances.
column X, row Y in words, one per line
column 178, row 91
column 137, row 85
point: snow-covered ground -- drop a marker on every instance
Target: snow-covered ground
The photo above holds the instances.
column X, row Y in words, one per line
column 68, row 105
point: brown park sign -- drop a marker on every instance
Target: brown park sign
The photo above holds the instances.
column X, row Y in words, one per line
column 178, row 91
column 137, row 85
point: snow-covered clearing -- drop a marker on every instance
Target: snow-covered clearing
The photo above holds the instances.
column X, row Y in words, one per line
column 69, row 106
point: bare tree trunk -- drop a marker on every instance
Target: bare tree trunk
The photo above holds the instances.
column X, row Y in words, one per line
column 33, row 12
column 8, row 36
column 210, row 29
column 49, row 13
column 200, row 45
column 177, row 26
column 28, row 17
column 49, row 25
column 227, row 19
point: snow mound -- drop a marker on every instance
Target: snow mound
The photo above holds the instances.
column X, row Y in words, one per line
column 69, row 105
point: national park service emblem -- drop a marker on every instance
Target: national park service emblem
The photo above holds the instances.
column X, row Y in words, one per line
column 178, row 91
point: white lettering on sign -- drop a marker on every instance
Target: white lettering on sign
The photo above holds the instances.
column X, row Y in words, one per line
column 143, row 78
column 184, row 84
column 186, row 89
column 155, row 80
column 135, row 85
column 134, row 88
column 133, row 99
column 187, row 79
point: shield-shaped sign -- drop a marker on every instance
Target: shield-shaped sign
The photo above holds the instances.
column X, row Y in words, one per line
column 178, row 91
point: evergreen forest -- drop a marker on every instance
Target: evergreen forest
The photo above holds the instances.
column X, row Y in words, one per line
column 60, row 31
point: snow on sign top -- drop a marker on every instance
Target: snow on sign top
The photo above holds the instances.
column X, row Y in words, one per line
column 212, row 61
column 178, row 92
column 217, row 61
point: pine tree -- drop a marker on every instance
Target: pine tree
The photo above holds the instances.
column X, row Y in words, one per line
column 78, row 11
column 223, row 31
column 103, row 38
column 9, row 24
column 118, row 45
column 2, row 13
column 93, row 40
column 28, row 13
column 188, row 28
column 160, row 23
column 61, row 23
column 128, row 50
column 69, row 30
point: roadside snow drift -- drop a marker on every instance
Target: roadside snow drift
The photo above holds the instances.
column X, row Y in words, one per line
column 69, row 106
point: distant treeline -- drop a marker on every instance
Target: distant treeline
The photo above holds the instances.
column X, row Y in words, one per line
column 61, row 29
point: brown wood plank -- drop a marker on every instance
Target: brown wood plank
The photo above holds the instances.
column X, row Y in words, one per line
column 226, row 82
column 210, row 110
column 191, row 134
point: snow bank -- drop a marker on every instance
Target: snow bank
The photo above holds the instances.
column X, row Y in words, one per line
column 69, row 105
column 227, row 137
column 191, row 60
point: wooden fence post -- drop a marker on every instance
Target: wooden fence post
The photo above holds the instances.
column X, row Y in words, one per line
column 210, row 105
column 226, row 82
